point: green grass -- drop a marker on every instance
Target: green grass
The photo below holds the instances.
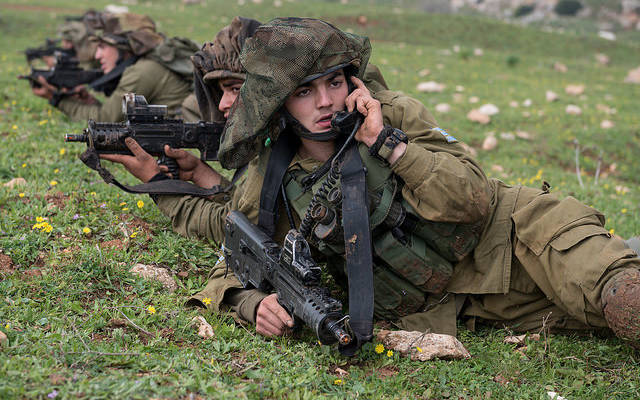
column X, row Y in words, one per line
column 62, row 304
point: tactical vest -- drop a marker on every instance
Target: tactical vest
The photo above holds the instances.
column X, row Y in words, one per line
column 412, row 256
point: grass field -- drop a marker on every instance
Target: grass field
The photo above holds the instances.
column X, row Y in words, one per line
column 65, row 289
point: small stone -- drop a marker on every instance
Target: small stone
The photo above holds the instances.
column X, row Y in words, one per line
column 341, row 372
column 572, row 109
column 362, row 20
column 443, row 108
column 497, row 168
column 473, row 99
column 602, row 59
column 430, row 87
column 574, row 90
column 523, row 135
column 633, row 76
column 205, row 330
column 489, row 109
column 604, row 108
column 424, row 72
column 527, row 103
column 560, row 67
column 607, row 35
column 606, row 124
column 459, row 88
column 507, row 136
column 514, row 104
column 551, row 95
column 456, row 49
column 478, row 52
column 521, row 338
column 476, row 116
column 15, row 182
column 155, row 273
column 277, row 3
column 489, row 143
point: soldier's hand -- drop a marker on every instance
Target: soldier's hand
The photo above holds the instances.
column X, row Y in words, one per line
column 193, row 169
column 362, row 100
column 81, row 94
column 271, row 318
column 45, row 90
column 141, row 164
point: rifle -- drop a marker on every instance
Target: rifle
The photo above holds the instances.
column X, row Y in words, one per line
column 260, row 263
column 65, row 74
column 50, row 48
column 150, row 127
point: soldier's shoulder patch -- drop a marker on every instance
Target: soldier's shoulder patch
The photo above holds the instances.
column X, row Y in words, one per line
column 446, row 135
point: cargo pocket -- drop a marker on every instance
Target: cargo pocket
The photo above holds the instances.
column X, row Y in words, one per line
column 394, row 297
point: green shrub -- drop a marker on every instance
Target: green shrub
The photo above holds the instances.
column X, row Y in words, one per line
column 523, row 10
column 567, row 7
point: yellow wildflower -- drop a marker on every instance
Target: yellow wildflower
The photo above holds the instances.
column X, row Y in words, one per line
column 62, row 151
column 624, row 211
column 53, row 183
column 14, row 127
column 24, row 165
column 125, row 209
column 86, row 230
column 140, row 203
column 419, row 349
column 7, row 326
column 55, row 171
column 13, row 102
column 44, row 121
column 151, row 310
column 93, row 193
column 389, row 353
column 337, row 382
column 124, row 203
column 43, row 226
column 379, row 348
column 39, row 219
column 21, row 195
column 612, row 231
column 206, row 301
column 134, row 234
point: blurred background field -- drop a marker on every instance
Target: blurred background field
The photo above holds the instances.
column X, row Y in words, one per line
column 65, row 286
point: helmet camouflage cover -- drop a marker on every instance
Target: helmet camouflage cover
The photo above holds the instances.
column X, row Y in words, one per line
column 78, row 31
column 217, row 60
column 134, row 33
column 278, row 58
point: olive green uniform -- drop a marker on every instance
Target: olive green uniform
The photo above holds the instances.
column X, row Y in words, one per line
column 146, row 77
column 537, row 254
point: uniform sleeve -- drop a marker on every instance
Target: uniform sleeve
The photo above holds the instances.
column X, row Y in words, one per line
column 441, row 180
column 140, row 78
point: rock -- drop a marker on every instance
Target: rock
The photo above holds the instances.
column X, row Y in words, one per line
column 473, row 99
column 430, row 87
column 423, row 346
column 507, row 136
column 443, row 108
column 574, row 90
column 607, row 35
column 551, row 96
column 456, row 49
column 478, row 52
column 604, row 108
column 606, row 124
column 155, row 273
column 602, row 59
column 489, row 109
column 521, row 338
column 560, row 67
column 459, row 88
column 424, row 72
column 15, row 182
column 633, row 76
column 489, row 143
column 523, row 135
column 526, row 103
column 205, row 330
column 572, row 109
column 4, row 340
column 497, row 168
column 476, row 116
column 514, row 104
column 362, row 20
column 115, row 9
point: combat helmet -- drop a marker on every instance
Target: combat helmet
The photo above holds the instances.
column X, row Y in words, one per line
column 282, row 55
column 133, row 33
column 78, row 30
column 218, row 60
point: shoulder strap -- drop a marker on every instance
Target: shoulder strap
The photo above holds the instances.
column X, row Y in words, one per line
column 108, row 82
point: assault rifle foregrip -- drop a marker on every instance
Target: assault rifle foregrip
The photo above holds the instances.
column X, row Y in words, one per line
column 65, row 74
column 260, row 263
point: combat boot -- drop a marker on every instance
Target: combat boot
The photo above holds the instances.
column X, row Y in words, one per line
column 634, row 244
column 621, row 305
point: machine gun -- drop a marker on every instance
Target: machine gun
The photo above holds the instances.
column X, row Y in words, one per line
column 49, row 49
column 260, row 263
column 66, row 74
column 150, row 127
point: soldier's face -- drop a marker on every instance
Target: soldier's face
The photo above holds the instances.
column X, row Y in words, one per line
column 230, row 89
column 314, row 103
column 107, row 55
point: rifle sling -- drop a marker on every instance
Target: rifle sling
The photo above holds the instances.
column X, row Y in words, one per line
column 159, row 187
column 283, row 151
column 100, row 84
column 358, row 250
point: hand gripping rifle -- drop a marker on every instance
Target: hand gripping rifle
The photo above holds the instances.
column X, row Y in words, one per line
column 49, row 49
column 260, row 263
column 66, row 74
column 150, row 127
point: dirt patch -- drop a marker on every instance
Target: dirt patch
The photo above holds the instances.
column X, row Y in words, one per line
column 386, row 372
column 6, row 264
column 58, row 199
column 136, row 223
column 32, row 272
column 113, row 244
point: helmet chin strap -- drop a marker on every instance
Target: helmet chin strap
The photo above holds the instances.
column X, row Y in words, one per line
column 287, row 120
